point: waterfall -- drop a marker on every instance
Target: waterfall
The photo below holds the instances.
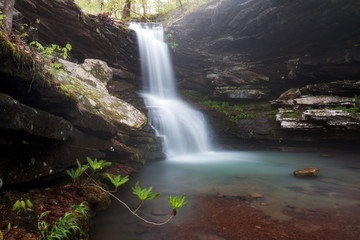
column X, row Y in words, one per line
column 182, row 129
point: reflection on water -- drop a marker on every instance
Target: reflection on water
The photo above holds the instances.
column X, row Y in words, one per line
column 236, row 174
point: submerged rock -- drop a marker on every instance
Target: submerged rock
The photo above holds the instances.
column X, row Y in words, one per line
column 307, row 172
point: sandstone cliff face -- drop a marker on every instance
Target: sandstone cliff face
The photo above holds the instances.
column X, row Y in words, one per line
column 248, row 52
column 50, row 118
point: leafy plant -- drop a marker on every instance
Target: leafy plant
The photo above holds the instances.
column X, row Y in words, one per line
column 19, row 206
column 95, row 164
column 29, row 204
column 117, row 181
column 49, row 53
column 75, row 174
column 176, row 202
column 1, row 18
column 65, row 226
column 144, row 194
column 81, row 209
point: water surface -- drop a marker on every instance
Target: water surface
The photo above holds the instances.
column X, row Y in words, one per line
column 267, row 173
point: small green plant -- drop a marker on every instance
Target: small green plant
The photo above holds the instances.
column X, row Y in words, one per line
column 43, row 227
column 1, row 19
column 144, row 194
column 19, row 206
column 66, row 226
column 176, row 202
column 50, row 53
column 29, row 204
column 117, row 181
column 172, row 44
column 75, row 174
column 96, row 165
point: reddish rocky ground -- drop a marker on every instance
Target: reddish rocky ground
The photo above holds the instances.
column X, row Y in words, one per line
column 232, row 218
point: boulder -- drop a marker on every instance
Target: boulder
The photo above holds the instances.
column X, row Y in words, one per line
column 87, row 82
column 307, row 172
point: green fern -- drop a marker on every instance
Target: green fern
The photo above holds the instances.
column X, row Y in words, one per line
column 117, row 181
column 75, row 174
column 176, row 202
column 144, row 194
column 95, row 164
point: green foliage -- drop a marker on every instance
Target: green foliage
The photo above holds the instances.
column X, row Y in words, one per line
column 171, row 43
column 19, row 206
column 117, row 181
column 176, row 202
column 29, row 204
column 9, row 227
column 75, row 174
column 353, row 110
column 1, row 19
column 292, row 114
column 139, row 8
column 144, row 194
column 50, row 53
column 66, row 226
column 96, row 165
column 233, row 112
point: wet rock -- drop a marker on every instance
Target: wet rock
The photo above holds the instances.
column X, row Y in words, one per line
column 158, row 212
column 324, row 101
column 256, row 195
column 238, row 93
column 98, row 200
column 307, row 172
column 333, row 116
column 290, row 94
column 19, row 117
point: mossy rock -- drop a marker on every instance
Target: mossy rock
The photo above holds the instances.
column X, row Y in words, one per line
column 98, row 200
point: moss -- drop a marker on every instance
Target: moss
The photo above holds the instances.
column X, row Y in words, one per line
column 295, row 115
column 97, row 199
column 64, row 90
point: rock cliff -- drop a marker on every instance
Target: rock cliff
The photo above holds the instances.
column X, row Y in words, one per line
column 248, row 53
column 51, row 116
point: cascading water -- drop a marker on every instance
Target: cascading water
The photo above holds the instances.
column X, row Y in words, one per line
column 182, row 128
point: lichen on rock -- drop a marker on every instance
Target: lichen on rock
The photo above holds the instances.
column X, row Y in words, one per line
column 88, row 82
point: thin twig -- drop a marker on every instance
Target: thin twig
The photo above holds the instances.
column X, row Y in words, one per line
column 134, row 213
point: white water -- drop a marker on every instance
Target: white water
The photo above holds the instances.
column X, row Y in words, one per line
column 182, row 128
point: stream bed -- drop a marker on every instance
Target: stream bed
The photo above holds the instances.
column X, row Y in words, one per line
column 255, row 190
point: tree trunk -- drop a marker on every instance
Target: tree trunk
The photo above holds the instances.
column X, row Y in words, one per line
column 144, row 7
column 180, row 3
column 8, row 12
column 126, row 11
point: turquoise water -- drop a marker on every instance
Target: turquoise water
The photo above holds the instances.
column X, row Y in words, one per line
column 267, row 173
